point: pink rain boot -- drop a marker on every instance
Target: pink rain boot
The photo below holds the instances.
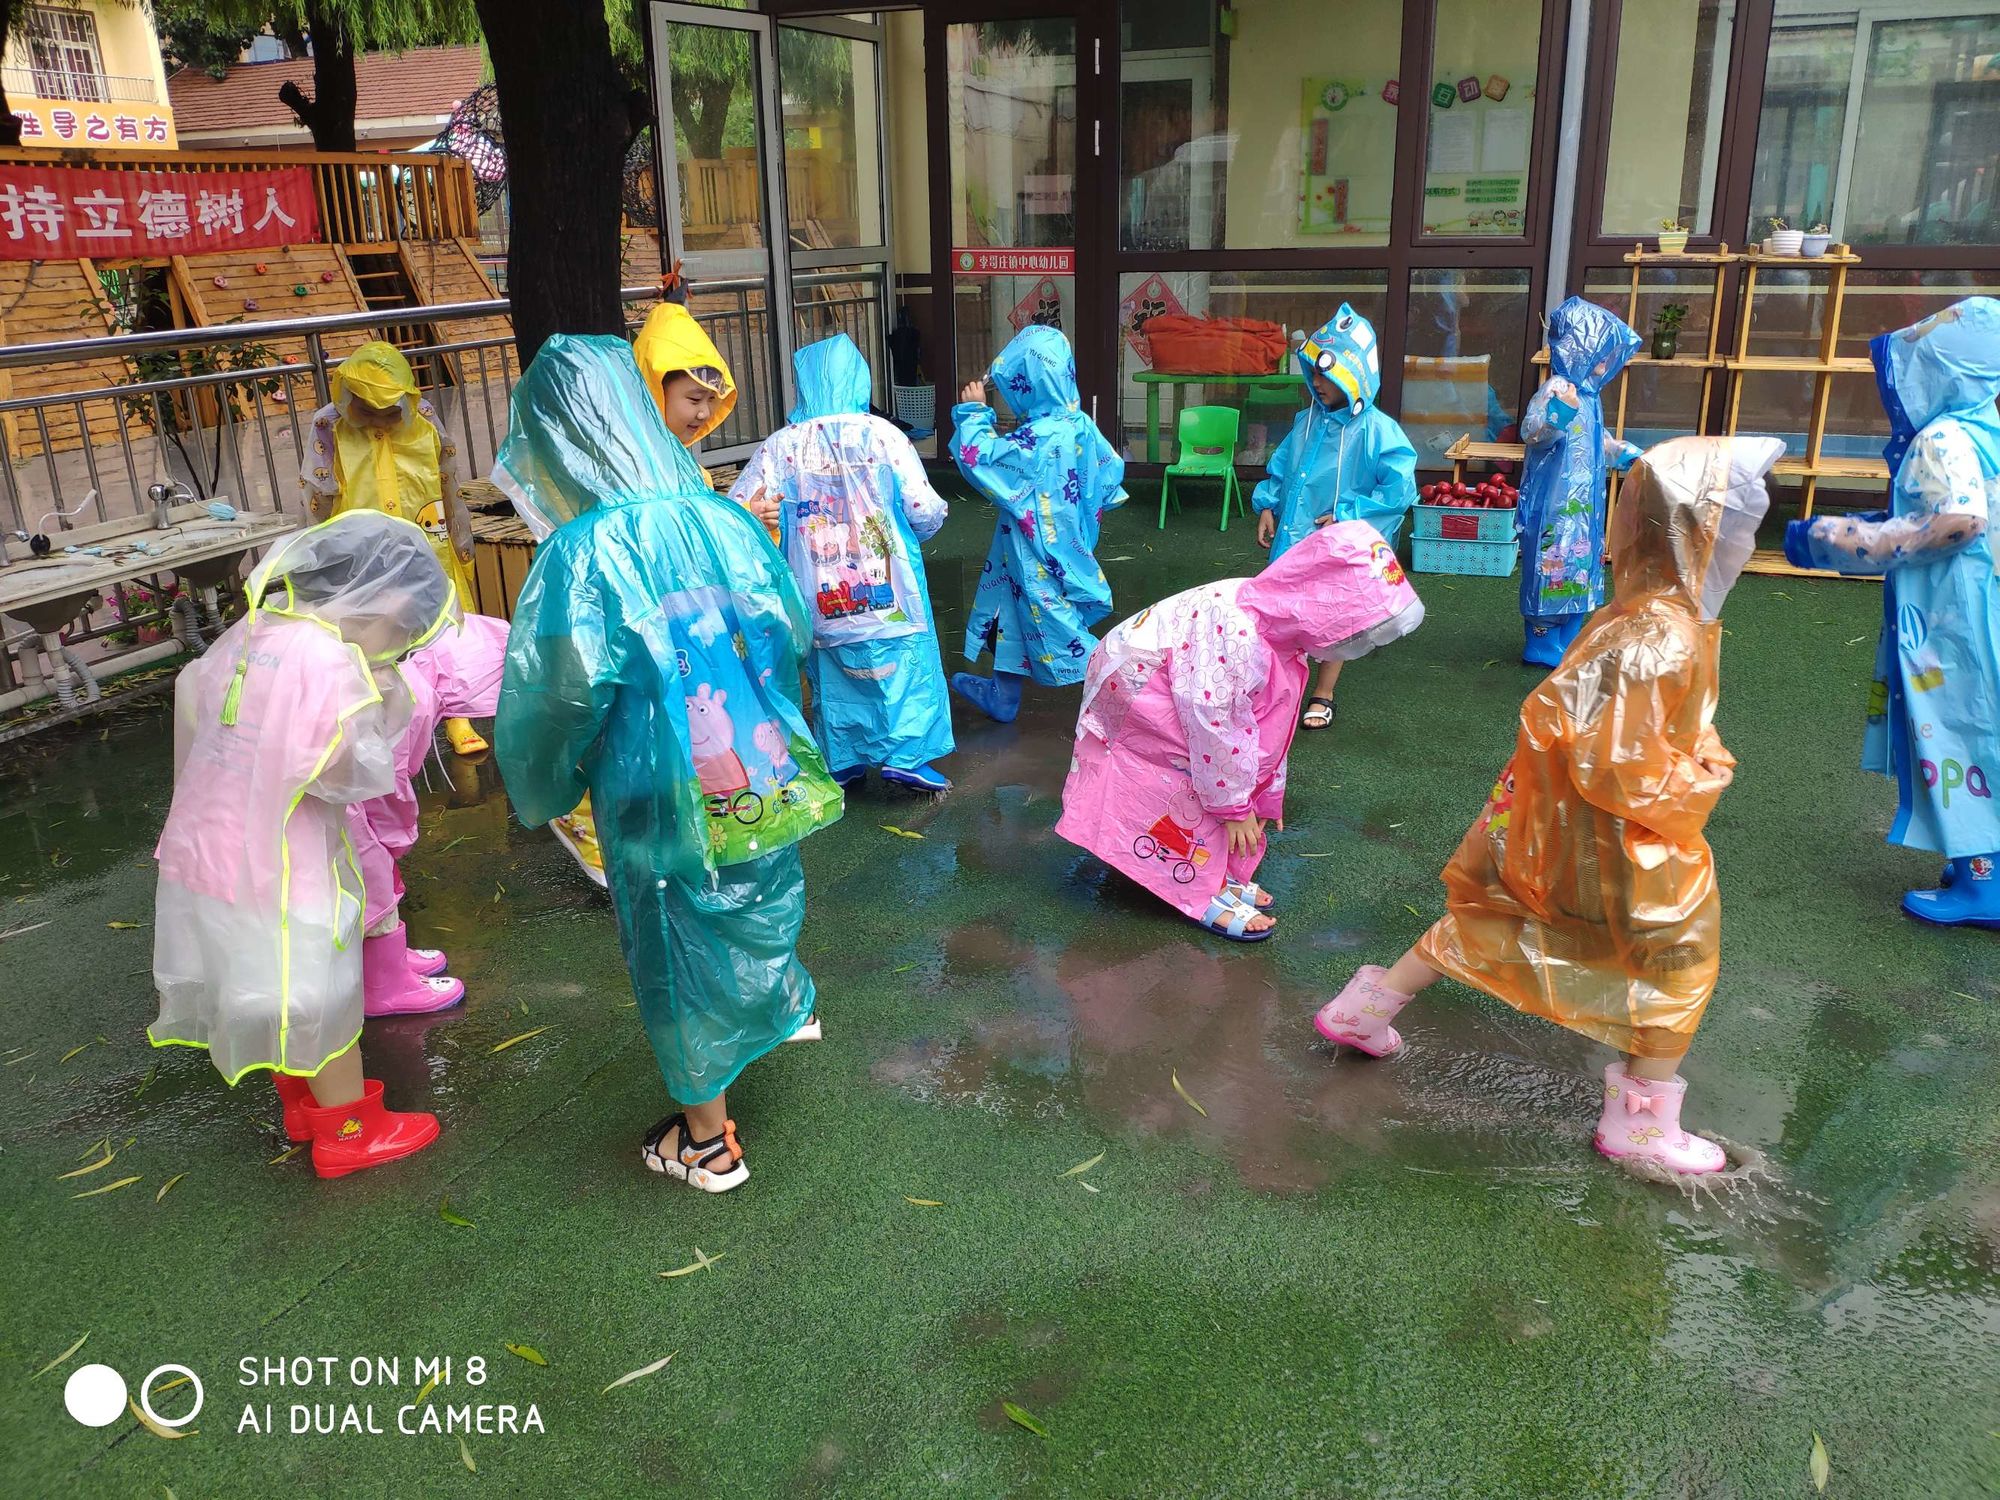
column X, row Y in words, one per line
column 1642, row 1122
column 424, row 962
column 389, row 987
column 1359, row 1015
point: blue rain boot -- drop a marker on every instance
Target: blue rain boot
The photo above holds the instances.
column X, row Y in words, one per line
column 850, row 776
column 998, row 696
column 1546, row 637
column 924, row 778
column 1972, row 899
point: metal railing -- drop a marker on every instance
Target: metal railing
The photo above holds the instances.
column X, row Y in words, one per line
column 78, row 87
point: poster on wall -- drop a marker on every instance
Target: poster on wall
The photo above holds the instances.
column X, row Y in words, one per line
column 102, row 127
column 1151, row 298
column 1042, row 305
column 1476, row 177
column 67, row 213
column 1341, row 122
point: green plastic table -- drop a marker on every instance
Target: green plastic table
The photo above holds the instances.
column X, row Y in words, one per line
column 1152, row 380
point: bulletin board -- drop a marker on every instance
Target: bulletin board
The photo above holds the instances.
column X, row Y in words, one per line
column 1347, row 156
column 1481, row 138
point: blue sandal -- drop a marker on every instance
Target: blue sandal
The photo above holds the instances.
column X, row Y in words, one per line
column 1227, row 917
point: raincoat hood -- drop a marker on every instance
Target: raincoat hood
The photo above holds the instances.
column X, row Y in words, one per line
column 1687, row 519
column 833, row 380
column 1584, row 336
column 1343, row 349
column 1947, row 365
column 1036, row 374
column 378, row 373
column 583, row 433
column 372, row 579
column 1338, row 594
column 672, row 340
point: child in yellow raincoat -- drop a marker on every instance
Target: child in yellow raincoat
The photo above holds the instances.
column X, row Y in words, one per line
column 378, row 446
column 1585, row 892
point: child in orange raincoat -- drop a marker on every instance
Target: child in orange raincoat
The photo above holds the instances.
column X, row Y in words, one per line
column 1585, row 892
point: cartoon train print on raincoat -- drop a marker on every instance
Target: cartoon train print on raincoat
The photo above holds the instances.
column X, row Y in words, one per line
column 1041, row 589
column 1352, row 462
column 1189, row 708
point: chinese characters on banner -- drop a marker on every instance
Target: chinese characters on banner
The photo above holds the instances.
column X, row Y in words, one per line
column 112, row 127
column 65, row 213
column 1056, row 260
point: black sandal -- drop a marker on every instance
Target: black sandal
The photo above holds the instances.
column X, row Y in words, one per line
column 1316, row 703
column 715, row 1165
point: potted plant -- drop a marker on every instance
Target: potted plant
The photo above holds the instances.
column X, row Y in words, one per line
column 1816, row 241
column 1781, row 240
column 1673, row 237
column 1667, row 330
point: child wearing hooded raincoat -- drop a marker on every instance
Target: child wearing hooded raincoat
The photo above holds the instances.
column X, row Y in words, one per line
column 456, row 674
column 855, row 506
column 294, row 714
column 654, row 662
column 1561, row 515
column 1188, row 713
column 1584, row 891
column 1934, row 712
column 1343, row 460
column 1041, row 589
column 378, row 445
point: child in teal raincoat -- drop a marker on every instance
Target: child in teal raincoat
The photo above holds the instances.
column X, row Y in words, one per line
column 1934, row 712
column 1041, row 588
column 1343, row 460
column 653, row 661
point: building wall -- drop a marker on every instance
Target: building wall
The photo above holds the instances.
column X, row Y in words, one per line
column 909, row 147
column 128, row 52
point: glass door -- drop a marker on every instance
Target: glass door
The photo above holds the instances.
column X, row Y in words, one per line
column 722, row 193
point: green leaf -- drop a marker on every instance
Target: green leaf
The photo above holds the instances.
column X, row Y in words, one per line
column 924, row 1202
column 147, row 1081
column 503, row 1046
column 61, row 1357
column 451, row 1216
column 424, row 1391
column 287, row 1154
column 901, row 833
column 1186, row 1096
column 168, row 1186
column 98, row 1165
column 639, row 1374
column 528, row 1352
column 465, row 1457
column 124, row 926
column 701, row 1262
column 171, row 1434
column 1819, row 1465
column 902, row 968
column 1084, row 1166
column 1023, row 1418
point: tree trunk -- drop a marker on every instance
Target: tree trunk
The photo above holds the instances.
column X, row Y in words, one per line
column 562, row 106
column 702, row 111
column 329, row 114
column 10, row 124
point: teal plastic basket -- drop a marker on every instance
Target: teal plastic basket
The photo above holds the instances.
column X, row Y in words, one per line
column 1454, row 523
column 1475, row 558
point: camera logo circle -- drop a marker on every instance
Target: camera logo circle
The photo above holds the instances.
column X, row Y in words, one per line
column 96, row 1395
column 146, row 1392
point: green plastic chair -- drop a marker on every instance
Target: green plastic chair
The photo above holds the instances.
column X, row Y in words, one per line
column 1207, row 450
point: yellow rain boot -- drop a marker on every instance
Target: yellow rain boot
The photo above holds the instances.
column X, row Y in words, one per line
column 464, row 739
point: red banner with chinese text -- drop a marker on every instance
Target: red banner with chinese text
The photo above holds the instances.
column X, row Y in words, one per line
column 64, row 213
column 1050, row 260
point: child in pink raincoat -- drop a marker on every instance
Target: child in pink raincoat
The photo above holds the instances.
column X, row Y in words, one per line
column 1188, row 714
column 457, row 676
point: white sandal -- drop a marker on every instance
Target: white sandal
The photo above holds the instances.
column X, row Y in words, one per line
column 809, row 1032
column 714, row 1166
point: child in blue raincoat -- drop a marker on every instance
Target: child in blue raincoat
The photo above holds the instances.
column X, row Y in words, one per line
column 1934, row 712
column 854, row 504
column 1561, row 519
column 653, row 661
column 1041, row 588
column 1343, row 460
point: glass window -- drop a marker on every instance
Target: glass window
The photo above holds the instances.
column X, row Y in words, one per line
column 1480, row 139
column 1926, row 167
column 1155, row 383
column 1466, row 343
column 1257, row 125
column 833, row 146
column 1661, row 401
column 1799, row 131
column 712, row 77
column 1666, row 114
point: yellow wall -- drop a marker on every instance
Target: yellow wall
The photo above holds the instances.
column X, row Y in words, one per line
column 1649, row 116
column 128, row 48
column 909, row 150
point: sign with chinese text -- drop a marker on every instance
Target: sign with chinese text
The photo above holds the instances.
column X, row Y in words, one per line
column 1150, row 299
column 64, row 213
column 100, row 127
column 1052, row 260
column 1042, row 305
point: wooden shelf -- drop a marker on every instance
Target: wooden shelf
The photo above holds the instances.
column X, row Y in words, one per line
column 1802, row 262
column 1723, row 257
column 1678, row 362
column 1804, row 364
column 1832, row 468
column 1465, row 450
column 1773, row 565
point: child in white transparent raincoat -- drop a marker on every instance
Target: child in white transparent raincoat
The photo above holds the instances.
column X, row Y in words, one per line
column 293, row 715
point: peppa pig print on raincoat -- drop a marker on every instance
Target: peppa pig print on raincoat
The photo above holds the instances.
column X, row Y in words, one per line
column 1189, row 708
column 1041, row 588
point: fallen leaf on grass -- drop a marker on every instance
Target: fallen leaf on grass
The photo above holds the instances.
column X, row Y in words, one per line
column 1186, row 1096
column 1819, row 1465
column 452, row 1216
column 1961, row 995
column 701, row 1262
column 161, row 1390
column 109, row 1187
column 424, row 1390
column 503, row 1046
column 901, row 833
column 86, row 1170
column 1327, row 855
column 1857, row 640
column 528, row 1352
column 902, row 969
column 168, row 1186
column 287, row 1154
column 499, row 890
column 924, row 1202
column 22, row 931
column 73, row 1052
column 1023, row 1418
column 645, row 1371
column 1084, row 1166
column 1089, row 1188
column 61, row 1357
column 465, row 1457
column 1411, row 910
column 21, row 1059
column 147, row 1082
column 172, row 1434
column 124, row 926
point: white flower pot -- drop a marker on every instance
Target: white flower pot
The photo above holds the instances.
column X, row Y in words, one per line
column 1784, row 242
column 1673, row 242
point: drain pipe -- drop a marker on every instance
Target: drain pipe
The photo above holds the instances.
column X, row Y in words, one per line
column 145, row 656
column 187, row 625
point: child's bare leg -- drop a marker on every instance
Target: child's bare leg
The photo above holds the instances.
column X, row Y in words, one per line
column 1655, row 1069
column 340, row 1081
column 1410, row 974
column 1325, row 678
column 705, row 1121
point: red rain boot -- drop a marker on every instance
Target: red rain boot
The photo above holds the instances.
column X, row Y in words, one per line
column 351, row 1137
column 295, row 1093
column 390, row 987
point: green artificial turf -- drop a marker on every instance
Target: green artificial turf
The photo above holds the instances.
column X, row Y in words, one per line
column 1344, row 1278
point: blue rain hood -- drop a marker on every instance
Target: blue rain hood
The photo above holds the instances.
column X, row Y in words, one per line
column 1036, row 374
column 1589, row 344
column 833, row 380
column 1344, row 349
column 1947, row 365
